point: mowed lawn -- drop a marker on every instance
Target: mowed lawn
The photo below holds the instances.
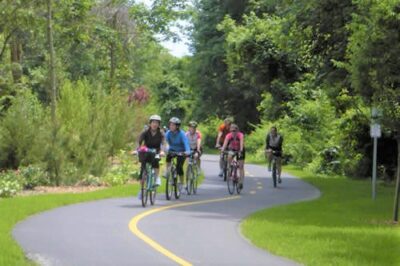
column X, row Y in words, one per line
column 13, row 210
column 343, row 227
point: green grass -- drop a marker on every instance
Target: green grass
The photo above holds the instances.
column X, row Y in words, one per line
column 343, row 227
column 13, row 210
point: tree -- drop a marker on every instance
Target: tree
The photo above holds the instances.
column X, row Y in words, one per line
column 374, row 66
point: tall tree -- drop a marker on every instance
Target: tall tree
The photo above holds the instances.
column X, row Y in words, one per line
column 374, row 66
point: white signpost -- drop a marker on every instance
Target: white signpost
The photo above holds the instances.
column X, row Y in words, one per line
column 375, row 134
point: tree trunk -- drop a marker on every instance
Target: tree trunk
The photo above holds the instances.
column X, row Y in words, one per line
column 397, row 193
column 16, row 56
column 52, row 72
column 53, row 93
column 112, row 52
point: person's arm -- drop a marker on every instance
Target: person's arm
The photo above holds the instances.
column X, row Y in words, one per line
column 218, row 138
column 267, row 142
column 241, row 143
column 198, row 141
column 141, row 139
column 185, row 142
column 225, row 143
column 280, row 143
column 163, row 145
column 166, row 149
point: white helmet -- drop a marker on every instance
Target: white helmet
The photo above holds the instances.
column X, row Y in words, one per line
column 155, row 118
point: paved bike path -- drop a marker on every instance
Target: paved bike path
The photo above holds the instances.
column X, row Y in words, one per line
column 97, row 233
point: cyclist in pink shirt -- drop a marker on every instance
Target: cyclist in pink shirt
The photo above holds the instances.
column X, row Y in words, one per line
column 194, row 137
column 234, row 141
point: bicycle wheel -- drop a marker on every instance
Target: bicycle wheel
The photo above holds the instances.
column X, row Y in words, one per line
column 152, row 189
column 143, row 182
column 274, row 172
column 230, row 180
column 169, row 186
column 177, row 186
column 189, row 179
column 225, row 173
column 238, row 188
column 153, row 194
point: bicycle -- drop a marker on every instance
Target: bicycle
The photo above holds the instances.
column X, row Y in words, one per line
column 173, row 184
column 147, row 174
column 224, row 165
column 274, row 168
column 192, row 173
column 233, row 178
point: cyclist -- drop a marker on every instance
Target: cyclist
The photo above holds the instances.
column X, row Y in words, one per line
column 177, row 142
column 223, row 130
column 234, row 141
column 273, row 145
column 153, row 138
column 194, row 138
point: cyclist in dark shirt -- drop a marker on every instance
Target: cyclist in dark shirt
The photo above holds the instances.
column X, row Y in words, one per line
column 153, row 138
column 273, row 145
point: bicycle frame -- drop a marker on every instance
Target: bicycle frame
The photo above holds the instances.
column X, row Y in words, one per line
column 172, row 180
column 147, row 179
column 233, row 179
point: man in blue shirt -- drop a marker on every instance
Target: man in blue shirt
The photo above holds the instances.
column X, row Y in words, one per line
column 177, row 143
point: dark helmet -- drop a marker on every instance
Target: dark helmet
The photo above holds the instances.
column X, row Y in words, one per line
column 193, row 124
column 175, row 120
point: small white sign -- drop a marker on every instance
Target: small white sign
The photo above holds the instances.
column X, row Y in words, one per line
column 376, row 131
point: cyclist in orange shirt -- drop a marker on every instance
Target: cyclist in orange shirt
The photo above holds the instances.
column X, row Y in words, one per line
column 223, row 130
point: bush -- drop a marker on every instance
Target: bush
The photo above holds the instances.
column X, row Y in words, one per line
column 10, row 183
column 33, row 175
column 23, row 133
column 123, row 170
column 209, row 131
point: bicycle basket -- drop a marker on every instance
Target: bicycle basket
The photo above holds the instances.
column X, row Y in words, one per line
column 142, row 157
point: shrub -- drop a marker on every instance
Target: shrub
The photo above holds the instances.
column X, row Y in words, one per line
column 33, row 175
column 10, row 183
column 23, row 134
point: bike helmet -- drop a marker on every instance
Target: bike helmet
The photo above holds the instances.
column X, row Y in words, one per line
column 235, row 127
column 155, row 118
column 175, row 120
column 192, row 124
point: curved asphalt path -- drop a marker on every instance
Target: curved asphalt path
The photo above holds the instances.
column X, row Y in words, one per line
column 97, row 233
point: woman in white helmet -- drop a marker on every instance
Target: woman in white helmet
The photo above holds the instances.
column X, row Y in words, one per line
column 153, row 138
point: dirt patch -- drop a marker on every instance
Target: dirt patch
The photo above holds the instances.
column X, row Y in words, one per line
column 59, row 190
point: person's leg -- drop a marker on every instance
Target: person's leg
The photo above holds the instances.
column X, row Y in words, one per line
column 279, row 167
column 269, row 159
column 241, row 171
column 156, row 167
column 241, row 167
column 197, row 157
column 221, row 164
column 168, row 166
column 179, row 168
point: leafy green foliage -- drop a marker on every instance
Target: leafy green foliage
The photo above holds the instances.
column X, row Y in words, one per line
column 10, row 183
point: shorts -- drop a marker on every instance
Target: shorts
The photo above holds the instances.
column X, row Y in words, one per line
column 149, row 157
column 241, row 156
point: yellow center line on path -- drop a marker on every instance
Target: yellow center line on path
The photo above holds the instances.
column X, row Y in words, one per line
column 248, row 174
column 259, row 187
column 133, row 226
column 252, row 192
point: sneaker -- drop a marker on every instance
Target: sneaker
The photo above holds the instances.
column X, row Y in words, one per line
column 140, row 195
column 221, row 173
column 241, row 185
column 158, row 181
column 279, row 179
